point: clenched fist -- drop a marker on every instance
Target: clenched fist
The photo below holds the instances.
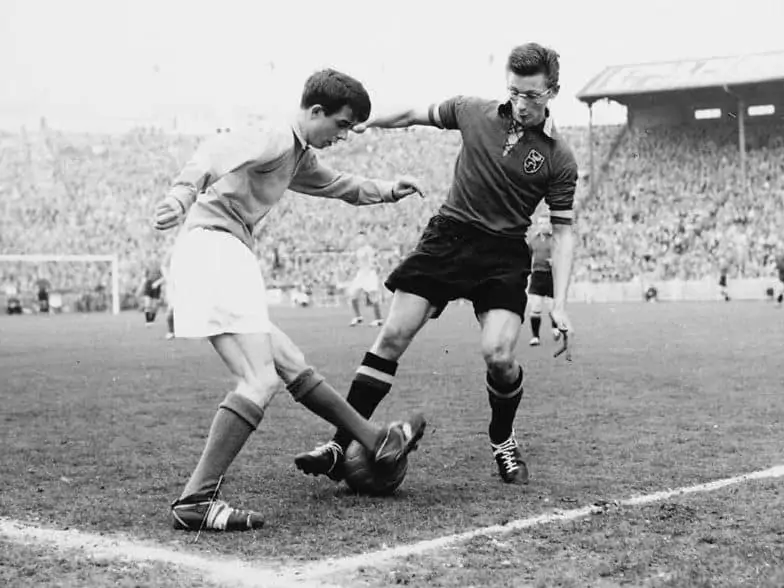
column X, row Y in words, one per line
column 168, row 214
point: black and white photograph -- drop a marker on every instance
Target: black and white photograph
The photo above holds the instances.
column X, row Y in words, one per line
column 363, row 294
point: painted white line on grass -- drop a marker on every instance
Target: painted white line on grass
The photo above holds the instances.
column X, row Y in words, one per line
column 225, row 571
column 236, row 572
column 375, row 558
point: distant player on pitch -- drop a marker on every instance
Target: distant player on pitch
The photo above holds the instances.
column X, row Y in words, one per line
column 150, row 291
column 475, row 247
column 365, row 284
column 227, row 188
column 779, row 289
column 540, row 292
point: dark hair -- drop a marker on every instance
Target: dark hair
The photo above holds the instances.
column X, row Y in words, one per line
column 333, row 90
column 531, row 59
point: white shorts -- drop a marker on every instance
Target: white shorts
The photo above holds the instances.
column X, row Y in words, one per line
column 366, row 281
column 216, row 286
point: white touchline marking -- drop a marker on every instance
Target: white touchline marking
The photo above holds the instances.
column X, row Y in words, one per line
column 374, row 558
column 236, row 572
column 229, row 571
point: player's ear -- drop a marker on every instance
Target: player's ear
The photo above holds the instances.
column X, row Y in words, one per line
column 316, row 111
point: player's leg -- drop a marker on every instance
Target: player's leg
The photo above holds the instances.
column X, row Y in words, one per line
column 249, row 358
column 408, row 313
column 311, row 390
column 535, row 317
column 373, row 298
column 355, row 292
column 147, row 306
column 500, row 331
column 357, row 318
column 374, row 377
column 155, row 305
column 499, row 303
column 780, row 292
column 170, row 322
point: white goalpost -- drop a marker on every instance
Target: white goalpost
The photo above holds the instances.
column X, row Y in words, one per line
column 111, row 259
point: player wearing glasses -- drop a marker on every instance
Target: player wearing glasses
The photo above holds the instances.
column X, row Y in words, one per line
column 475, row 247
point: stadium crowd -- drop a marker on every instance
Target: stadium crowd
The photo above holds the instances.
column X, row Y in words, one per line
column 670, row 202
column 673, row 203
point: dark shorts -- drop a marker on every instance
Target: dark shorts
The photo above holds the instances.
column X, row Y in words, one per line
column 723, row 280
column 455, row 260
column 541, row 284
column 152, row 292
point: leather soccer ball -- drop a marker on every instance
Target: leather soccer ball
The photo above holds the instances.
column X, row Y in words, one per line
column 364, row 476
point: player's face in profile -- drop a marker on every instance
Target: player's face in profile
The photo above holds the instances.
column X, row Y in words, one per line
column 329, row 129
column 529, row 96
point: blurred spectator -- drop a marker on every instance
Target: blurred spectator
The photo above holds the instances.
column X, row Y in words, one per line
column 42, row 284
column 13, row 305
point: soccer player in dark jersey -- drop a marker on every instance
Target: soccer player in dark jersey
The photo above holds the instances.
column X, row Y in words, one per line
column 724, row 270
column 780, row 286
column 475, row 247
column 43, row 286
column 540, row 291
column 150, row 290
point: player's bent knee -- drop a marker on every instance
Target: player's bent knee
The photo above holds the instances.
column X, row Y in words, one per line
column 535, row 304
column 498, row 356
column 260, row 389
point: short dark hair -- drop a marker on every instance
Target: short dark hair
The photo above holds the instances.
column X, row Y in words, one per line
column 532, row 58
column 333, row 90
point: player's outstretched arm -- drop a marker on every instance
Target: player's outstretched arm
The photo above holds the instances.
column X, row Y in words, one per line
column 318, row 180
column 398, row 120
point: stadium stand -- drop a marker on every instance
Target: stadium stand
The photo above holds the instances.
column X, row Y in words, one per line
column 669, row 195
column 695, row 183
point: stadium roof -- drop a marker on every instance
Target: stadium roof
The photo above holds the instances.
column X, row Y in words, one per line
column 619, row 81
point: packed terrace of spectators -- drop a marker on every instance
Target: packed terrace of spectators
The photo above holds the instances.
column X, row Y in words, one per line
column 669, row 202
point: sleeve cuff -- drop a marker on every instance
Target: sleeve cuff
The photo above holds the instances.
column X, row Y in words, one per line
column 184, row 195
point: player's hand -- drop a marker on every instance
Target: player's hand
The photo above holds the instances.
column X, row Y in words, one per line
column 564, row 325
column 168, row 213
column 360, row 128
column 562, row 320
column 405, row 187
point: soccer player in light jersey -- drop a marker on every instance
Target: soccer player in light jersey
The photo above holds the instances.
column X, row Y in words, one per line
column 475, row 247
column 365, row 282
column 218, row 293
column 540, row 291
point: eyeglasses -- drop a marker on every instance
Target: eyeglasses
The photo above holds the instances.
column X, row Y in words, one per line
column 534, row 97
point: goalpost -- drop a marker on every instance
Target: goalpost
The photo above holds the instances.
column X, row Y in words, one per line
column 111, row 259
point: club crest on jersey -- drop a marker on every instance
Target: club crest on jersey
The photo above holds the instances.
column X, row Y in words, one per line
column 533, row 162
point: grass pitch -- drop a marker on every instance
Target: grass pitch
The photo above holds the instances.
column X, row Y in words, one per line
column 103, row 420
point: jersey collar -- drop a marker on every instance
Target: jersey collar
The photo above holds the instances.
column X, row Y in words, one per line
column 505, row 111
column 298, row 133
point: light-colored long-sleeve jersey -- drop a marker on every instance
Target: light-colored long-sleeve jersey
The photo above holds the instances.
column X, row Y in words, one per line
column 234, row 179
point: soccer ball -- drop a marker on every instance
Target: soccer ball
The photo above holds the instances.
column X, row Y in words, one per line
column 362, row 473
